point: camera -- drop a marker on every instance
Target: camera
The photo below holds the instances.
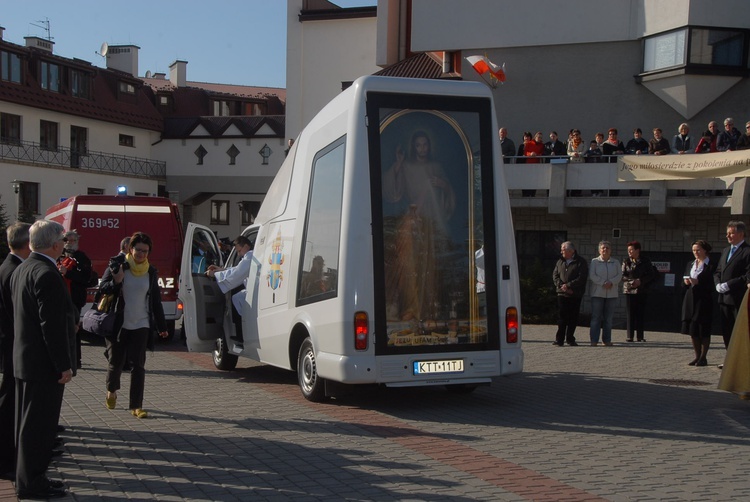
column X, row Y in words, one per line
column 116, row 262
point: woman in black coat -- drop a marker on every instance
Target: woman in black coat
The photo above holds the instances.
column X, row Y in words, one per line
column 697, row 306
column 637, row 274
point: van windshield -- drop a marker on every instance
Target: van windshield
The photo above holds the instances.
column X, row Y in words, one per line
column 431, row 191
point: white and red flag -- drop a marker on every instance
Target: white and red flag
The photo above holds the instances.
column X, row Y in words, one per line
column 483, row 66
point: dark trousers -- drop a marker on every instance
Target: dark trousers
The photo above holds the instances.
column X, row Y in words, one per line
column 7, row 420
column 636, row 319
column 727, row 314
column 568, row 308
column 130, row 345
column 37, row 413
column 237, row 320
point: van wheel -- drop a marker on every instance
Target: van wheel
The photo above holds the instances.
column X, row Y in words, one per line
column 461, row 388
column 223, row 360
column 312, row 386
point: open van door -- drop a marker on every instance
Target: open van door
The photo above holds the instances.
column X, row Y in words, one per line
column 203, row 301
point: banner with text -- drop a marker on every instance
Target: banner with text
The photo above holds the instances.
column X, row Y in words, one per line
column 683, row 167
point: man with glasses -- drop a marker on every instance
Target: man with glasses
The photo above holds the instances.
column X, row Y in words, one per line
column 744, row 142
column 727, row 139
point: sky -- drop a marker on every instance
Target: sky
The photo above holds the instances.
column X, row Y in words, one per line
column 239, row 42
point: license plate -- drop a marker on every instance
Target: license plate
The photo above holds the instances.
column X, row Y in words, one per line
column 443, row 366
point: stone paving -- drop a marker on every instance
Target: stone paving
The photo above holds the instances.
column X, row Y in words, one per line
column 629, row 422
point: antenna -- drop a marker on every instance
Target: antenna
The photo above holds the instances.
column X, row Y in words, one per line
column 45, row 27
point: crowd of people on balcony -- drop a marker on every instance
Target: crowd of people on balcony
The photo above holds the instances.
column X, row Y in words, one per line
column 534, row 150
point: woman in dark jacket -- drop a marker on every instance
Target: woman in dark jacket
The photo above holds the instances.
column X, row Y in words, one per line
column 637, row 273
column 135, row 284
column 697, row 306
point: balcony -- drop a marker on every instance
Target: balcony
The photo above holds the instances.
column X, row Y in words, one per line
column 23, row 152
column 561, row 187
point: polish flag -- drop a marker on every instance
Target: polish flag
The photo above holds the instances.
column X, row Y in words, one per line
column 483, row 65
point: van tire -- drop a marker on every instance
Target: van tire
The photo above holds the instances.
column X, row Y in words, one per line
column 223, row 360
column 310, row 383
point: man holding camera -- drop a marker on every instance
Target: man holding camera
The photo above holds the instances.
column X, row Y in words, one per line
column 75, row 267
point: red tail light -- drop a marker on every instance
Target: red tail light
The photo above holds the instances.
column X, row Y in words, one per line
column 361, row 331
column 511, row 325
column 179, row 305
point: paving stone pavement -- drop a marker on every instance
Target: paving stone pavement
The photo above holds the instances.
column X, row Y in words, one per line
column 629, row 422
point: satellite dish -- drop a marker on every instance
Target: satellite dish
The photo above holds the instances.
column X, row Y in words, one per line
column 148, row 73
column 104, row 49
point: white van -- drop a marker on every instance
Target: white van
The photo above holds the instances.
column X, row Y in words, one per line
column 365, row 262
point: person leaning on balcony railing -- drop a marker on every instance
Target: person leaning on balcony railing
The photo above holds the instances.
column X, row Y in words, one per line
column 533, row 148
column 554, row 147
column 576, row 148
column 682, row 143
column 707, row 143
column 611, row 148
column 637, row 145
column 744, row 142
column 727, row 139
column 658, row 145
column 507, row 147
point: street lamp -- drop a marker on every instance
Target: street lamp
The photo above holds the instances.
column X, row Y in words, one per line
column 17, row 189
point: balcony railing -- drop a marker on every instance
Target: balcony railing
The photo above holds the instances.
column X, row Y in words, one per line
column 34, row 153
column 560, row 185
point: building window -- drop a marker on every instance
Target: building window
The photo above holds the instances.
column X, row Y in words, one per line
column 79, row 140
column 233, row 152
column 48, row 135
column 28, row 198
column 95, row 191
column 127, row 140
column 127, row 88
column 201, row 153
column 165, row 101
column 265, row 152
column 50, row 77
column 219, row 212
column 696, row 48
column 10, row 128
column 80, row 84
column 11, row 67
column 248, row 212
column 221, row 109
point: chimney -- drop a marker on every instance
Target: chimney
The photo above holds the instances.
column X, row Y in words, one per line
column 39, row 43
column 123, row 58
column 1, row 32
column 159, row 75
column 178, row 73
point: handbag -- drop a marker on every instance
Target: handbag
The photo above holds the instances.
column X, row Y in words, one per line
column 100, row 318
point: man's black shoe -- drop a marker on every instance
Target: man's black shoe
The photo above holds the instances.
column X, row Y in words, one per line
column 60, row 428
column 558, row 344
column 58, row 442
column 55, row 483
column 573, row 344
column 50, row 493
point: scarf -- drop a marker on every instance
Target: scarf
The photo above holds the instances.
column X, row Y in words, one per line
column 136, row 269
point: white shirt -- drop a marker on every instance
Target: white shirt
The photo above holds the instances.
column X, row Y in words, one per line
column 234, row 276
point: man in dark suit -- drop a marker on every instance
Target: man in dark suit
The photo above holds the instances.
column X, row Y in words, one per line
column 732, row 276
column 18, row 241
column 43, row 355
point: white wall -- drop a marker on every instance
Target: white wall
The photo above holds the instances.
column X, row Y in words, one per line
column 475, row 24
column 320, row 56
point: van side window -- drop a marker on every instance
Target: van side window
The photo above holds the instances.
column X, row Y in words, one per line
column 320, row 252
